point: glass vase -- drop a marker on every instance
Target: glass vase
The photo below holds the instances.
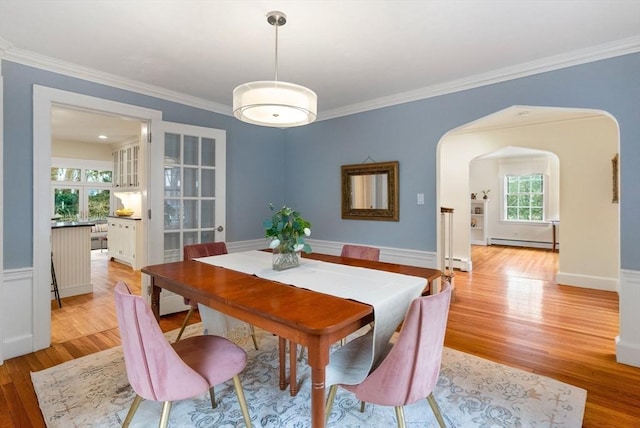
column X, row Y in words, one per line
column 285, row 259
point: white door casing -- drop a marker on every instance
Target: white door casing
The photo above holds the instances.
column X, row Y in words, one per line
column 43, row 100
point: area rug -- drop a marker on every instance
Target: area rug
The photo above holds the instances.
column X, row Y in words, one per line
column 93, row 391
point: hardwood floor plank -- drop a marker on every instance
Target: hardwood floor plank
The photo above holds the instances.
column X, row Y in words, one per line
column 509, row 310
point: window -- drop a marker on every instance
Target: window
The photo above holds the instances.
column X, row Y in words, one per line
column 97, row 176
column 524, row 197
column 65, row 174
column 81, row 189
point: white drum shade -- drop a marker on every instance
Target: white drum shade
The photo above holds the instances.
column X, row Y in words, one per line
column 275, row 103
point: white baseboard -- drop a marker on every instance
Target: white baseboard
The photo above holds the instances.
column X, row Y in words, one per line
column 587, row 281
column 74, row 291
column 627, row 353
column 519, row 243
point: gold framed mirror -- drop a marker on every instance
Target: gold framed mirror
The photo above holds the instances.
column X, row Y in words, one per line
column 370, row 191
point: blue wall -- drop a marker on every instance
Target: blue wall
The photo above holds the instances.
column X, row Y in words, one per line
column 410, row 133
column 254, row 157
column 301, row 166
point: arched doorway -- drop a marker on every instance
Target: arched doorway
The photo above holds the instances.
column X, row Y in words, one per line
column 585, row 141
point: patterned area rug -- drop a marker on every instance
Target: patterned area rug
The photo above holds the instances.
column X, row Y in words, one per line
column 472, row 392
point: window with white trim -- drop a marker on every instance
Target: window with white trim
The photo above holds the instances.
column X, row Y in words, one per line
column 524, row 198
column 81, row 189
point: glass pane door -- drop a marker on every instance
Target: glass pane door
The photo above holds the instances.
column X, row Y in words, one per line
column 189, row 193
column 187, row 196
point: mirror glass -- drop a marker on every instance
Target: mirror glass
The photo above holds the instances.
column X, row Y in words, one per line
column 370, row 191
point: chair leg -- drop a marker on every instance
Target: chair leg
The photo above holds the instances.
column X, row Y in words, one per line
column 253, row 336
column 362, row 403
column 212, row 395
column 332, row 396
column 400, row 416
column 164, row 417
column 242, row 401
column 184, row 323
column 132, row 411
column 436, row 410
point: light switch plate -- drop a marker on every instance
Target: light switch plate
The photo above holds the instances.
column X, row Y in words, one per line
column 420, row 198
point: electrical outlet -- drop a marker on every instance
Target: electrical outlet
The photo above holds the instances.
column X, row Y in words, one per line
column 420, row 198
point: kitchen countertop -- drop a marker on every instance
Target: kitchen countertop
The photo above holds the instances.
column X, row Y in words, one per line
column 60, row 224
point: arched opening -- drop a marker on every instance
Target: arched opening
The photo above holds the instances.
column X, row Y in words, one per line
column 584, row 141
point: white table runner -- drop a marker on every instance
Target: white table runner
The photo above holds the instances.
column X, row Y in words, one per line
column 389, row 293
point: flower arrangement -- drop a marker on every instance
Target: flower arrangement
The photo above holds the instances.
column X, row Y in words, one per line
column 485, row 194
column 287, row 230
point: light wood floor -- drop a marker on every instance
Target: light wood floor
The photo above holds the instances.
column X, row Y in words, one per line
column 509, row 310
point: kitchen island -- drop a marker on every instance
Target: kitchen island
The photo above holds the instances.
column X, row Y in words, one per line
column 71, row 256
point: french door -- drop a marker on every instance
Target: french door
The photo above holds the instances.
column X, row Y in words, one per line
column 187, row 195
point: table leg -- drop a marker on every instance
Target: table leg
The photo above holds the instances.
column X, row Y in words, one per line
column 282, row 348
column 293, row 362
column 553, row 247
column 155, row 299
column 317, row 397
column 318, row 357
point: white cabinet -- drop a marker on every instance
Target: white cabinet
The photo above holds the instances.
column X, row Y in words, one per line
column 126, row 162
column 125, row 240
column 479, row 233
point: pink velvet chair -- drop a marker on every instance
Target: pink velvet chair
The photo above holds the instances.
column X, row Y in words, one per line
column 194, row 251
column 409, row 371
column 160, row 371
column 360, row 252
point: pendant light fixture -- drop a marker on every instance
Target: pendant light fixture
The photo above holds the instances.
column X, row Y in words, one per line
column 275, row 103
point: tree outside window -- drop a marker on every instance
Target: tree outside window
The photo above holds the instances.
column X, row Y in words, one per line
column 524, row 197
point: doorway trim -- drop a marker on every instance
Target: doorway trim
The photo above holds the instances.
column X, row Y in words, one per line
column 43, row 100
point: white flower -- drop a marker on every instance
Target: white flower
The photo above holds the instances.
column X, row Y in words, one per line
column 307, row 231
column 274, row 243
column 298, row 247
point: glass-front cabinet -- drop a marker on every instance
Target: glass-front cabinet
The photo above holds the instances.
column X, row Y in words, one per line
column 126, row 162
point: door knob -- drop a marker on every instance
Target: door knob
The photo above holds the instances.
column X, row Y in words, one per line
column 220, row 229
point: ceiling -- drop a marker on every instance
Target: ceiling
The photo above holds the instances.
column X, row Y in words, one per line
column 356, row 55
column 80, row 126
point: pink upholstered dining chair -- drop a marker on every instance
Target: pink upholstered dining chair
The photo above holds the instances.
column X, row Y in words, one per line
column 160, row 371
column 194, row 251
column 360, row 252
column 409, row 371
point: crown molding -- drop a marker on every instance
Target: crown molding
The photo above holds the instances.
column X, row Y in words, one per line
column 32, row 59
column 556, row 62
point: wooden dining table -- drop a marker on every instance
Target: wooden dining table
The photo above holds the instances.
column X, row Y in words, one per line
column 305, row 317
